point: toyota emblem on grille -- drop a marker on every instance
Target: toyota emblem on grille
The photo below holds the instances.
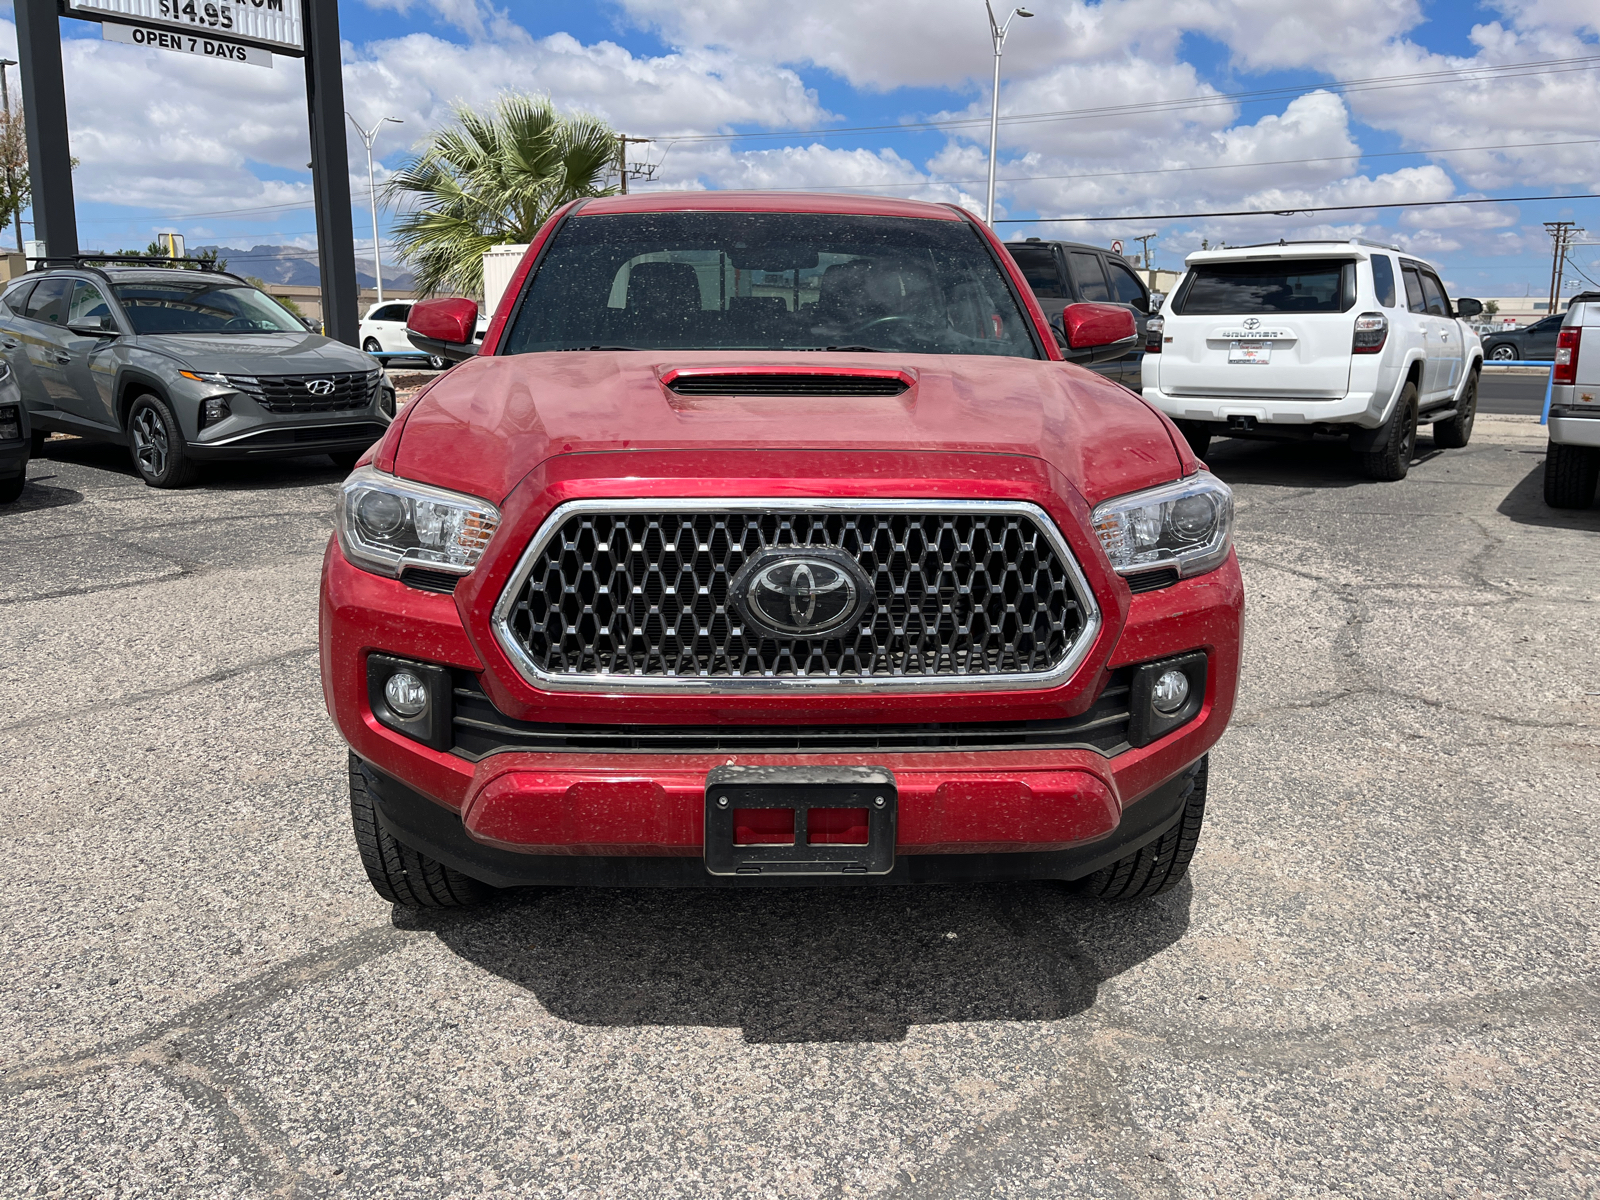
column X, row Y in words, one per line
column 807, row 593
column 320, row 387
column 1252, row 322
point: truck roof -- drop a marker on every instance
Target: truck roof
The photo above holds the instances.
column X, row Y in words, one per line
column 769, row 202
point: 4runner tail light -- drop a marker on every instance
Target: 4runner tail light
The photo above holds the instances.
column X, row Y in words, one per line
column 1152, row 335
column 1372, row 330
column 1567, row 355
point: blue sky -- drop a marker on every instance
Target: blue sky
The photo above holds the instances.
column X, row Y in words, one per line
column 178, row 145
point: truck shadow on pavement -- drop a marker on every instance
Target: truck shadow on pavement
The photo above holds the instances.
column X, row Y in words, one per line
column 810, row 965
column 1525, row 505
column 1318, row 464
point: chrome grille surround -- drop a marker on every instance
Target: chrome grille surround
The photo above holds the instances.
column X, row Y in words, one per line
column 1071, row 622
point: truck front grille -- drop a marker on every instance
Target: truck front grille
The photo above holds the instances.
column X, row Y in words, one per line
column 619, row 593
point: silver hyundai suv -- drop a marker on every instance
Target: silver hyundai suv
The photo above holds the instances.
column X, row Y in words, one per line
column 184, row 367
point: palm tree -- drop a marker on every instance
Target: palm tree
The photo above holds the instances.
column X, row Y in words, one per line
column 491, row 179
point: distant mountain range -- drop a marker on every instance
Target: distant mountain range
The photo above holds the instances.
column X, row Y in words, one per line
column 298, row 266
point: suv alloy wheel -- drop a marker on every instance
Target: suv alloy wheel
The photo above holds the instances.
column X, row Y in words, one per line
column 156, row 441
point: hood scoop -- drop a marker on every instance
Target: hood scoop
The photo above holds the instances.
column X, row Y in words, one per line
column 787, row 381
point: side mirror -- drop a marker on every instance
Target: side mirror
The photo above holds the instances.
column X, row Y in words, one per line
column 444, row 327
column 100, row 325
column 1095, row 332
column 1468, row 308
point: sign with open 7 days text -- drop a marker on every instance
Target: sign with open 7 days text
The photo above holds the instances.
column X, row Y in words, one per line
column 267, row 24
column 175, row 41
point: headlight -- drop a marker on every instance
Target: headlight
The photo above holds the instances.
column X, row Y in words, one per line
column 1187, row 525
column 387, row 523
column 204, row 376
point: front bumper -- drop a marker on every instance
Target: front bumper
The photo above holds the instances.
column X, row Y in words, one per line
column 615, row 818
column 14, row 458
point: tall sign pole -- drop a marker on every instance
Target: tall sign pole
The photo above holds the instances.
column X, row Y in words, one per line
column 330, row 171
column 44, row 99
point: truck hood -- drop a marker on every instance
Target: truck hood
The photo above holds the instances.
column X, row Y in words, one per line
column 257, row 353
column 490, row 421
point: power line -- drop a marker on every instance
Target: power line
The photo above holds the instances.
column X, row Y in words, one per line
column 1287, row 212
column 1281, row 162
column 1555, row 66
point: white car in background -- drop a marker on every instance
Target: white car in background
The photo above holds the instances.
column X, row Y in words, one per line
column 1295, row 339
column 383, row 331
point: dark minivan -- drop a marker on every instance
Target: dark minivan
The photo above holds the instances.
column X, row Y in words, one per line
column 1061, row 273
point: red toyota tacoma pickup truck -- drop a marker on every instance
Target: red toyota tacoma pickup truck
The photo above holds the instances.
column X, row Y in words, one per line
column 777, row 540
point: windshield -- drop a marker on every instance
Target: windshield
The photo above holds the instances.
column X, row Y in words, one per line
column 769, row 281
column 1269, row 286
column 204, row 306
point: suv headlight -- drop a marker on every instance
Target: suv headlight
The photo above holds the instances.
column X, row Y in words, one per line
column 387, row 523
column 1187, row 525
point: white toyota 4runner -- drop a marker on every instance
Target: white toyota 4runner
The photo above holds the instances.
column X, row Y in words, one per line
column 1572, row 466
column 1296, row 339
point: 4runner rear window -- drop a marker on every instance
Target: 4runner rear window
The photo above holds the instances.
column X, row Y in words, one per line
column 1304, row 285
column 769, row 281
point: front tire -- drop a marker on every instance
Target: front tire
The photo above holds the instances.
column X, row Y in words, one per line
column 157, row 444
column 11, row 489
column 1455, row 433
column 1570, row 475
column 398, row 873
column 1197, row 434
column 1157, row 866
column 372, row 346
column 1392, row 459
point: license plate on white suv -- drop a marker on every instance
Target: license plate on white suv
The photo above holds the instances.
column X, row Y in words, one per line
column 1250, row 353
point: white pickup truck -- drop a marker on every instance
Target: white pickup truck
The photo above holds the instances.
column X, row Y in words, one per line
column 1572, row 465
column 1295, row 339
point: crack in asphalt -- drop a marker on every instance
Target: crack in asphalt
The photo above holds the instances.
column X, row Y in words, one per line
column 218, row 676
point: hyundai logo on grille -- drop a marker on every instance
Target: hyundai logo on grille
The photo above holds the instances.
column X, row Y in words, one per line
column 320, row 387
column 810, row 593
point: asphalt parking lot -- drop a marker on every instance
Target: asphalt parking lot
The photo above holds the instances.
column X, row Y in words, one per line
column 1378, row 980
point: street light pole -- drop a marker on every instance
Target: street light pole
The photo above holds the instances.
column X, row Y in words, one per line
column 997, row 34
column 369, row 136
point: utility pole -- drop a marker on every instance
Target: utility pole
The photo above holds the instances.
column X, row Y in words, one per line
column 1561, row 234
column 368, row 136
column 5, row 99
column 1144, row 240
column 623, row 170
column 330, row 174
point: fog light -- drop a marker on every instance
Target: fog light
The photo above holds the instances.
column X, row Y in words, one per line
column 216, row 409
column 1170, row 691
column 405, row 694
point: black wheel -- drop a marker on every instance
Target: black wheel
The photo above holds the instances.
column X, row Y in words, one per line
column 1156, row 866
column 345, row 460
column 438, row 362
column 11, row 488
column 157, row 443
column 1197, row 434
column 40, row 437
column 372, row 346
column 1504, row 352
column 1457, row 431
column 398, row 873
column 1570, row 475
column 1392, row 459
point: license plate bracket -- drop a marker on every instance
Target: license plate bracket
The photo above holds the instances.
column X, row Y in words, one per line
column 757, row 790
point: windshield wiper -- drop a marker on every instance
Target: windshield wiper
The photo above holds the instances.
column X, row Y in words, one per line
column 570, row 349
column 840, row 349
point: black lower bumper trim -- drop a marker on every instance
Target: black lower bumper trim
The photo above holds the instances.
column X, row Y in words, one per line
column 436, row 831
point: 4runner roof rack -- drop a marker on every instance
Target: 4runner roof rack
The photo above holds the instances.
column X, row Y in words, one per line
column 1356, row 241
